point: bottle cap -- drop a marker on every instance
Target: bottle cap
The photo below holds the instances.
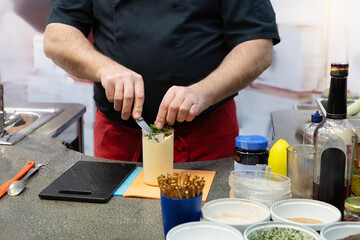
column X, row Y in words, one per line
column 316, row 117
column 337, row 105
column 251, row 142
column 339, row 69
column 278, row 157
column 353, row 204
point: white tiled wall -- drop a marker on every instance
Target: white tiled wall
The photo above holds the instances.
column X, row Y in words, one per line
column 302, row 59
column 328, row 31
column 50, row 83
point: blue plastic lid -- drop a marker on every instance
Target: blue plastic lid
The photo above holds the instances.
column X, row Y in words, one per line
column 316, row 117
column 251, row 142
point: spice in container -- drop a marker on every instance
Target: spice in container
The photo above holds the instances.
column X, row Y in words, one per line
column 250, row 150
column 352, row 209
column 279, row 233
column 305, row 220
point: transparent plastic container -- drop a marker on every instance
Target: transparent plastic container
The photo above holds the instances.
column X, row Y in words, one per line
column 261, row 186
column 267, row 199
column 259, row 180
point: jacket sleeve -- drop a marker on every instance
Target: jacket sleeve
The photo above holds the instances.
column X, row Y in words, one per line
column 77, row 13
column 245, row 20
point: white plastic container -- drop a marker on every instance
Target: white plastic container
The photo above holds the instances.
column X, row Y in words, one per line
column 203, row 230
column 305, row 208
column 235, row 212
column 340, row 230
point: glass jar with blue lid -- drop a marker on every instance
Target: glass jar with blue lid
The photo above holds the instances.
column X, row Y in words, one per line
column 251, row 150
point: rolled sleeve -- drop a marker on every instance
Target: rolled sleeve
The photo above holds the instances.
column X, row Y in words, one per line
column 77, row 13
column 247, row 20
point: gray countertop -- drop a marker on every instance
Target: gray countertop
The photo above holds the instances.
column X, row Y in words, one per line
column 26, row 216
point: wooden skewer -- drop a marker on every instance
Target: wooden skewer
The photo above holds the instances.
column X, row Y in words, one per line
column 179, row 187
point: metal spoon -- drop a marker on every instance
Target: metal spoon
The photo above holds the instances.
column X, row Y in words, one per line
column 15, row 188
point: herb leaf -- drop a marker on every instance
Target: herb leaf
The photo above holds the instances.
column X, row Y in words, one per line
column 166, row 129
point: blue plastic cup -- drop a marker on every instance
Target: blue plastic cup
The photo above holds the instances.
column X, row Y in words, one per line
column 178, row 211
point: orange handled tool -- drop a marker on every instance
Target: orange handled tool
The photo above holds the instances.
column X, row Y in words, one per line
column 26, row 168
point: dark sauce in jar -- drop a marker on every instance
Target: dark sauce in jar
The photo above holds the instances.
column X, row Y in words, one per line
column 250, row 150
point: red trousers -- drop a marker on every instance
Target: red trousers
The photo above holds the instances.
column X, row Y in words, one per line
column 209, row 138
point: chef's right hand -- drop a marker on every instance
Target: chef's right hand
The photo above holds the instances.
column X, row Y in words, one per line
column 125, row 88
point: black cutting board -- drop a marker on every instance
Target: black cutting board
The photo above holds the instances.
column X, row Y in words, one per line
column 88, row 182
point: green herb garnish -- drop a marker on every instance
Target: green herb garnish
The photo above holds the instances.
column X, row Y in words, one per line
column 166, row 129
column 279, row 233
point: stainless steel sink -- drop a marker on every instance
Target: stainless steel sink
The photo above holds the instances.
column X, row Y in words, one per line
column 31, row 119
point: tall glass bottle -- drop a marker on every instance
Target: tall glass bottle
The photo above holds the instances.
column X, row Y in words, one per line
column 334, row 141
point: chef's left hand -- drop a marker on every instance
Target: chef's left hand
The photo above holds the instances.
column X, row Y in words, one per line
column 181, row 104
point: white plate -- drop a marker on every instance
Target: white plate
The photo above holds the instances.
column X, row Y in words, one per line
column 203, row 230
column 236, row 212
column 340, row 230
column 306, row 208
column 266, row 225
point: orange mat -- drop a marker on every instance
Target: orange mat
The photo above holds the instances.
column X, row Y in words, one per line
column 139, row 188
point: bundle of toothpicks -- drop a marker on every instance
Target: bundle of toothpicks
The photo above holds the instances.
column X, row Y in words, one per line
column 175, row 186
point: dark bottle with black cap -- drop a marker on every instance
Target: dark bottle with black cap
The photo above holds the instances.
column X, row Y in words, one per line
column 334, row 141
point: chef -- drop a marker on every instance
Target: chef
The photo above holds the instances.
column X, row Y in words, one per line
column 172, row 62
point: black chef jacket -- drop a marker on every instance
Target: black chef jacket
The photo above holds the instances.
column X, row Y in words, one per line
column 168, row 42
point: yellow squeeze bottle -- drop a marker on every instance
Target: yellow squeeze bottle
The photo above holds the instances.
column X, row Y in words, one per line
column 278, row 157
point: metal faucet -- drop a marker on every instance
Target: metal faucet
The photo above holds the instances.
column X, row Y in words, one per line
column 13, row 119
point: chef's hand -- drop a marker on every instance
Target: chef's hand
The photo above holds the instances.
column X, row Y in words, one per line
column 181, row 104
column 125, row 88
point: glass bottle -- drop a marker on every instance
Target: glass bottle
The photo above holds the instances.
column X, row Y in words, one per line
column 334, row 142
column 316, row 119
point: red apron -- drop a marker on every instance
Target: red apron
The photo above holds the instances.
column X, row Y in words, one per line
column 209, row 138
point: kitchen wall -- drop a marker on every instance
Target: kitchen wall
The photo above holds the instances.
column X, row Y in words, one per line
column 25, row 71
column 313, row 34
column 309, row 31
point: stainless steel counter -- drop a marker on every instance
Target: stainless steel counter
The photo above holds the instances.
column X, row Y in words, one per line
column 71, row 113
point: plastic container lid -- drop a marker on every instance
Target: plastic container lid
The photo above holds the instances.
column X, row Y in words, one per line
column 353, row 204
column 251, row 142
column 316, row 117
column 263, row 180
